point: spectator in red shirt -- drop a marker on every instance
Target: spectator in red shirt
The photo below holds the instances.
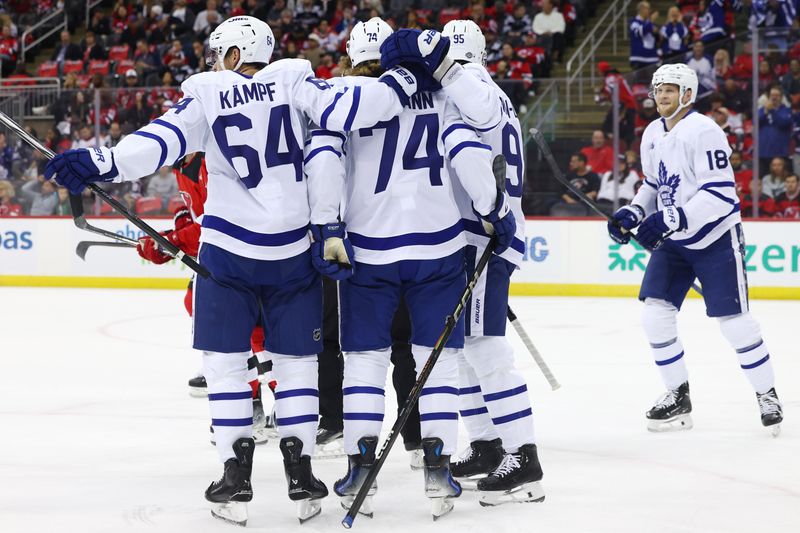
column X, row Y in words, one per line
column 599, row 155
column 534, row 55
column 627, row 102
column 788, row 202
column 742, row 176
column 766, row 205
column 326, row 67
column 8, row 208
column 9, row 47
column 647, row 114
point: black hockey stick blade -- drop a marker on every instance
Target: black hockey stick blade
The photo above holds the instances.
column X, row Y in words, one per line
column 499, row 172
column 84, row 246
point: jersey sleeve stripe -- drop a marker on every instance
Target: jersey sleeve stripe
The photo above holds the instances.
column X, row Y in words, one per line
column 328, row 110
column 650, row 184
column 711, row 184
column 316, row 151
column 455, row 127
column 705, row 230
column 467, row 144
column 720, row 196
column 159, row 140
column 351, row 116
column 328, row 133
column 408, row 239
column 178, row 133
column 251, row 237
column 473, row 226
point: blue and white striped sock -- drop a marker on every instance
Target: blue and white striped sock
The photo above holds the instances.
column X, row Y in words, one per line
column 755, row 362
column 668, row 357
column 438, row 404
column 471, row 407
column 363, row 391
column 297, row 398
column 230, row 399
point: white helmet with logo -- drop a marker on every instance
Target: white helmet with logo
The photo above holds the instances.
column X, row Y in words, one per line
column 253, row 38
column 366, row 39
column 467, row 42
column 677, row 74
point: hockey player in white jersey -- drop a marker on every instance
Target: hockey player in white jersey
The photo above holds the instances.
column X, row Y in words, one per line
column 408, row 239
column 251, row 117
column 494, row 401
column 687, row 212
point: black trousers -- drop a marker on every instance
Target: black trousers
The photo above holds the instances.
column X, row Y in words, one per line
column 331, row 366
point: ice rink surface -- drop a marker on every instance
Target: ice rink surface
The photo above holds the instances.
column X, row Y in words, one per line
column 99, row 433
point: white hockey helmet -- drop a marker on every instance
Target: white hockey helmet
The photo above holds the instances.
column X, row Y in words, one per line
column 467, row 42
column 253, row 38
column 366, row 39
column 676, row 74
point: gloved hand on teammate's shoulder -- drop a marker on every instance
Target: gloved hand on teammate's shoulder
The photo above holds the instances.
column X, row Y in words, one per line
column 149, row 249
column 331, row 251
column 500, row 221
column 425, row 81
column 75, row 168
column 623, row 221
column 427, row 48
column 660, row 225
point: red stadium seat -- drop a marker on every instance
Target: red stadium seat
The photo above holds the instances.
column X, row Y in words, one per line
column 148, row 205
column 174, row 203
column 73, row 66
column 100, row 67
column 119, row 52
column 48, row 69
column 124, row 66
column 84, row 80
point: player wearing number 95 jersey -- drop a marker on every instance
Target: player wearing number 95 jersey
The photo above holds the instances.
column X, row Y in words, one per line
column 687, row 211
column 251, row 117
column 406, row 230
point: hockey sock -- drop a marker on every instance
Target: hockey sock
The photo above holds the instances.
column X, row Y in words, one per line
column 744, row 335
column 297, row 398
column 504, row 390
column 659, row 319
column 470, row 404
column 230, row 399
column 363, row 391
column 438, row 403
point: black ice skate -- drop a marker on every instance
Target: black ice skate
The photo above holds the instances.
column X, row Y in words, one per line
column 358, row 466
column 229, row 495
column 198, row 388
column 440, row 486
column 671, row 411
column 771, row 411
column 304, row 488
column 478, row 461
column 330, row 444
column 516, row 479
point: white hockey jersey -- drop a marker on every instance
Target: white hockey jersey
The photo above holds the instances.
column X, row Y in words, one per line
column 689, row 167
column 486, row 108
column 399, row 189
column 252, row 129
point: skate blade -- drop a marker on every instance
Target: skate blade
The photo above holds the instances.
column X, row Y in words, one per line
column 365, row 509
column 416, row 460
column 331, row 450
column 261, row 435
column 676, row 423
column 529, row 492
column 198, row 392
column 774, row 430
column 440, row 507
column 308, row 509
column 232, row 512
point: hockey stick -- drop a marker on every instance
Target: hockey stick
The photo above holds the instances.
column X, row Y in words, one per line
column 548, row 155
column 499, row 171
column 526, row 340
column 83, row 246
column 77, row 206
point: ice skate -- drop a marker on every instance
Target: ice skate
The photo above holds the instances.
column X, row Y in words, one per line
column 358, row 466
column 229, row 495
column 440, row 486
column 304, row 488
column 516, row 479
column 771, row 411
column 672, row 411
column 330, row 444
column 477, row 461
column 198, row 388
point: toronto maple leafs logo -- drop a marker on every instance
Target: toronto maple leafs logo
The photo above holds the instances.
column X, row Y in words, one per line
column 667, row 185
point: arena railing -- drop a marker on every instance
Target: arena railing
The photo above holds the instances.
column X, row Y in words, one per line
column 43, row 29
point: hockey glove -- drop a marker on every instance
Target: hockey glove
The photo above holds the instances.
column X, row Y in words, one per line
column 428, row 48
column 75, row 168
column 500, row 221
column 425, row 81
column 402, row 82
column 331, row 251
column 623, row 221
column 150, row 251
column 659, row 226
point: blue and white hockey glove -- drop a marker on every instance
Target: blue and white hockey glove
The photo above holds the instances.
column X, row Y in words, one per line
column 623, row 221
column 428, row 48
column 402, row 81
column 500, row 221
column 75, row 168
column 331, row 251
column 660, row 225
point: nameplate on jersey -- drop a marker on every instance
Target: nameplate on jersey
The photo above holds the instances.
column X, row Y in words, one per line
column 421, row 100
column 246, row 93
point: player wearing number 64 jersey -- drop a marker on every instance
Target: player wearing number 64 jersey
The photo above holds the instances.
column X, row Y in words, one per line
column 687, row 212
column 251, row 118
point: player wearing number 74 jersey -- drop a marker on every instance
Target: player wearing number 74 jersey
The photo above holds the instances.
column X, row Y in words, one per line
column 251, row 118
column 687, row 212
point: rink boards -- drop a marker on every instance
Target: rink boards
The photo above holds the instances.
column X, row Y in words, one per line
column 566, row 257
